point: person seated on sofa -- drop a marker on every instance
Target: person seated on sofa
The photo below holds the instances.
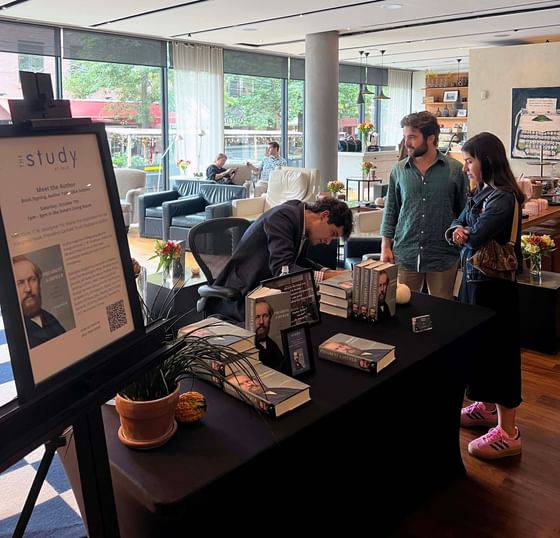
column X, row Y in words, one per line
column 271, row 161
column 216, row 172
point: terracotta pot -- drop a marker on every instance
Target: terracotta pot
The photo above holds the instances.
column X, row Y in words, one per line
column 147, row 424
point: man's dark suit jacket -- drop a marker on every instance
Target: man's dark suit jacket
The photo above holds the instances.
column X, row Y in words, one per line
column 272, row 356
column 272, row 241
column 38, row 335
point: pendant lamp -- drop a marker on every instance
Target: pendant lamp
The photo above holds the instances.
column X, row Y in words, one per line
column 382, row 95
column 360, row 100
column 366, row 90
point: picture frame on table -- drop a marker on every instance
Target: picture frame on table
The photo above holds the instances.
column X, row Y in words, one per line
column 450, row 96
column 462, row 113
column 296, row 342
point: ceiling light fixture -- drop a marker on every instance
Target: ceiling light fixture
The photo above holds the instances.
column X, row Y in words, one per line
column 382, row 95
column 360, row 100
column 391, row 6
column 365, row 89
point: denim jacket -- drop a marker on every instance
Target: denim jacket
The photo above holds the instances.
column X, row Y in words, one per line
column 487, row 215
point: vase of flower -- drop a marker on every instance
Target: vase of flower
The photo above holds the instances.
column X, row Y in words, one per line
column 364, row 129
column 183, row 164
column 169, row 255
column 334, row 187
column 534, row 247
column 535, row 266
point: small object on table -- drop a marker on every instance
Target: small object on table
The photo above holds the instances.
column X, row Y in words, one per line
column 403, row 294
column 195, row 270
column 421, row 323
column 191, row 407
column 380, row 201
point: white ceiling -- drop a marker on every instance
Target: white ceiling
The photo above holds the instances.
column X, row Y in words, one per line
column 421, row 34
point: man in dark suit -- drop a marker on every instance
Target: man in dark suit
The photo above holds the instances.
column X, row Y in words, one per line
column 279, row 237
column 269, row 352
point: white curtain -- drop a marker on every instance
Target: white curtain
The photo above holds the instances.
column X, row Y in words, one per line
column 199, row 103
column 393, row 110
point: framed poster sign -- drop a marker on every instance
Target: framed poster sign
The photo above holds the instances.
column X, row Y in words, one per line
column 68, row 294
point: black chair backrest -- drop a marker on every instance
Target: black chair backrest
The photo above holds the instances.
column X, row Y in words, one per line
column 213, row 241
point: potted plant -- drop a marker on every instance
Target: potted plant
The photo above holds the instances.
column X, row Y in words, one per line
column 334, row 187
column 147, row 405
column 183, row 164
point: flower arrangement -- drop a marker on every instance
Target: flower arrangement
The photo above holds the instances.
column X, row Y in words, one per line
column 367, row 167
column 365, row 128
column 335, row 186
column 183, row 164
column 534, row 247
column 166, row 251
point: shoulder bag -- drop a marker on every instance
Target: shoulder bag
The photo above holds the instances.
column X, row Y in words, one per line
column 495, row 260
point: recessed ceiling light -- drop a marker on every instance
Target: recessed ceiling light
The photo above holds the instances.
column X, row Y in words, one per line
column 391, row 6
column 501, row 35
column 250, row 29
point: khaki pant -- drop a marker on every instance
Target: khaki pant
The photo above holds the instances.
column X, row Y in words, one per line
column 439, row 284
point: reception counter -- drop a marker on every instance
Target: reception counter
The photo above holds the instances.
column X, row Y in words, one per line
column 350, row 164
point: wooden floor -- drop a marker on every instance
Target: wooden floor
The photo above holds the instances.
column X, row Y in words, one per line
column 516, row 497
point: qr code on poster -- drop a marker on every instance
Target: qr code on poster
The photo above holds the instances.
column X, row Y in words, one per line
column 116, row 315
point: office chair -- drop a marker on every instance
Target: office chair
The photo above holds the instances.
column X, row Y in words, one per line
column 212, row 243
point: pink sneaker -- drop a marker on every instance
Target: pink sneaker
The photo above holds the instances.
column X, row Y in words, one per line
column 476, row 414
column 495, row 444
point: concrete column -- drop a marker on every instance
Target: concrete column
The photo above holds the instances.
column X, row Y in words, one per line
column 321, row 104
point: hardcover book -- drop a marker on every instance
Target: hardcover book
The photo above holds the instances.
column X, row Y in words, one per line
column 267, row 313
column 268, row 390
column 383, row 291
column 221, row 333
column 337, row 286
column 333, row 310
column 360, row 353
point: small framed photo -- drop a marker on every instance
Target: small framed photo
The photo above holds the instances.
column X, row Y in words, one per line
column 297, row 349
column 462, row 113
column 450, row 97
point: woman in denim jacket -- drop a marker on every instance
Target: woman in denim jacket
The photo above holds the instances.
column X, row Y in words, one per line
column 495, row 379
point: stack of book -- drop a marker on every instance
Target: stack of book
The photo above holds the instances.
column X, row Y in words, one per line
column 242, row 374
column 374, row 290
column 336, row 295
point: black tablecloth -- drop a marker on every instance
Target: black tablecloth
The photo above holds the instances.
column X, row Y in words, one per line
column 396, row 434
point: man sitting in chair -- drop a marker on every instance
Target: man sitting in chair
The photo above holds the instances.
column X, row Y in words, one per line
column 279, row 237
column 271, row 161
column 216, row 172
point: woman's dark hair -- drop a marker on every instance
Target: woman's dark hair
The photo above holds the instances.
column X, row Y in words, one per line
column 425, row 122
column 339, row 213
column 494, row 166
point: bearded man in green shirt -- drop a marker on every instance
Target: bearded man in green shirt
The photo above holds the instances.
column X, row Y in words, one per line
column 427, row 191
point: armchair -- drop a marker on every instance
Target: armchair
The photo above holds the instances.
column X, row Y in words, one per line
column 130, row 184
column 150, row 206
column 212, row 201
column 286, row 183
column 365, row 239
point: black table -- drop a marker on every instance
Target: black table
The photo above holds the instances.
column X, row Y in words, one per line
column 178, row 298
column 396, row 434
column 364, row 184
column 539, row 307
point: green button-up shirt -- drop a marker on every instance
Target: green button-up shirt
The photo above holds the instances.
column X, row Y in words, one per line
column 418, row 210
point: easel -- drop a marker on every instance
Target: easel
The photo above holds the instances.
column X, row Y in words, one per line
column 39, row 110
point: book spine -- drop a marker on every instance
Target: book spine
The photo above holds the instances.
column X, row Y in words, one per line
column 341, row 358
column 356, row 275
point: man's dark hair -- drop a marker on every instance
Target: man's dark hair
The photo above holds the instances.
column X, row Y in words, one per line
column 425, row 122
column 339, row 213
column 274, row 144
